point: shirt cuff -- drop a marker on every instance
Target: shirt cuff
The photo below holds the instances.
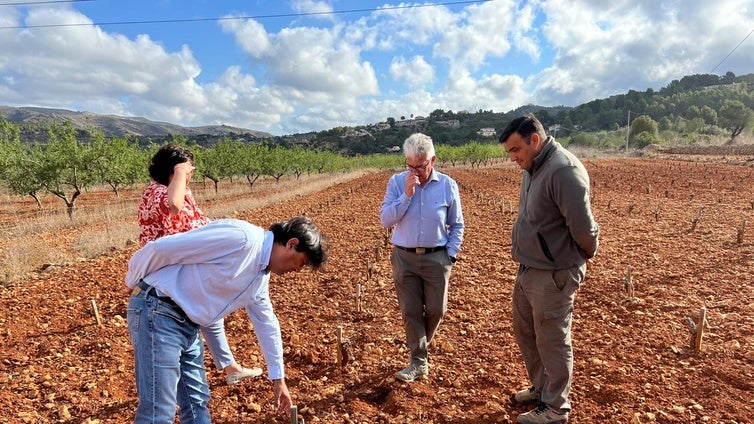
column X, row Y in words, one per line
column 275, row 372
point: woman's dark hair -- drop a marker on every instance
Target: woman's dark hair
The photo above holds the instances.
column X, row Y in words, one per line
column 165, row 159
column 525, row 126
column 310, row 241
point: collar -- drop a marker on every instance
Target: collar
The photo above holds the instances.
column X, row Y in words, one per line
column 547, row 147
column 432, row 177
column 264, row 260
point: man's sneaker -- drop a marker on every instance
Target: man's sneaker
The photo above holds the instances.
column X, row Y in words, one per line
column 242, row 375
column 412, row 372
column 525, row 396
column 543, row 414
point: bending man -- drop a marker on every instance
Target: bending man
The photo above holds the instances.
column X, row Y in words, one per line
column 183, row 281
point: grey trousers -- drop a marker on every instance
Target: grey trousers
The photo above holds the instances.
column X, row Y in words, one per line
column 542, row 314
column 421, row 284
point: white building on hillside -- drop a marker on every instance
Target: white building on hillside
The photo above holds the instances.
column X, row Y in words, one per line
column 486, row 132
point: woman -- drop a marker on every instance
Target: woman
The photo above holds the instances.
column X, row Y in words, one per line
column 168, row 207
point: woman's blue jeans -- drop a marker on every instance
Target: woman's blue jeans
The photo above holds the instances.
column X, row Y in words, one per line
column 169, row 363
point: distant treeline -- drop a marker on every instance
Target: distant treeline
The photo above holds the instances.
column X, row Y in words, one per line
column 694, row 108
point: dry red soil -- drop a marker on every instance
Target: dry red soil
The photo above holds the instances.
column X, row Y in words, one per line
column 634, row 360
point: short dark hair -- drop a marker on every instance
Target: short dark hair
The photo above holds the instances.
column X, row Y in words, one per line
column 524, row 126
column 310, row 241
column 165, row 159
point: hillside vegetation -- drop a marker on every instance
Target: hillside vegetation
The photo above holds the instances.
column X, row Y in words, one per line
column 697, row 109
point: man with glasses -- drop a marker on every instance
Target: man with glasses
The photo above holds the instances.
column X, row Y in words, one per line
column 424, row 208
column 554, row 235
column 181, row 281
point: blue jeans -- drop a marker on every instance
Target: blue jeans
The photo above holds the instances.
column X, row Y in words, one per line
column 169, row 363
column 217, row 343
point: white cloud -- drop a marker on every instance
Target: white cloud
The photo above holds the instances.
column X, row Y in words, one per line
column 415, row 73
column 250, row 36
column 351, row 70
column 79, row 66
column 311, row 6
column 621, row 45
column 398, row 28
column 310, row 62
column 482, row 33
column 499, row 93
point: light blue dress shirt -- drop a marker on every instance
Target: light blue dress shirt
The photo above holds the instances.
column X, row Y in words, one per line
column 212, row 271
column 431, row 217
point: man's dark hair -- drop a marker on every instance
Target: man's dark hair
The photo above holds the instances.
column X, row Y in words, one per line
column 165, row 159
column 310, row 241
column 524, row 126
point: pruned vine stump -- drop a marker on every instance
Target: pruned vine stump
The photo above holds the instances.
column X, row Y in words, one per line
column 697, row 329
column 97, row 316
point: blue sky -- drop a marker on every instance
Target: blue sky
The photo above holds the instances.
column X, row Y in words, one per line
column 295, row 66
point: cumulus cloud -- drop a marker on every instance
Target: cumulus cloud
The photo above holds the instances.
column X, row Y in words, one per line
column 626, row 45
column 357, row 69
column 415, row 72
column 311, row 6
column 310, row 61
column 78, row 66
column 482, row 31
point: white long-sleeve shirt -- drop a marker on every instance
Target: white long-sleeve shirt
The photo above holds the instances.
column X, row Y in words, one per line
column 212, row 271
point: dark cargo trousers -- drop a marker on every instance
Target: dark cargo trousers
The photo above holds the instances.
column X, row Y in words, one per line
column 542, row 314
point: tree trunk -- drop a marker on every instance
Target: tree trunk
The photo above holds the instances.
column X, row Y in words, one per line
column 36, row 198
column 252, row 178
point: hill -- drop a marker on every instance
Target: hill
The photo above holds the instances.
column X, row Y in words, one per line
column 33, row 120
column 690, row 110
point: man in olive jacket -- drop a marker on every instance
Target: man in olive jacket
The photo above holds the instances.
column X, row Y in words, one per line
column 554, row 235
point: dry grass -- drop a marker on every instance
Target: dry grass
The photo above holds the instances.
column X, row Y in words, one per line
column 25, row 255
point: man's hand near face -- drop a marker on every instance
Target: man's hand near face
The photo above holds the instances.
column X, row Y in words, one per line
column 412, row 180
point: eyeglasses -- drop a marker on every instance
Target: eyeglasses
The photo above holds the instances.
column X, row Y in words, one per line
column 418, row 168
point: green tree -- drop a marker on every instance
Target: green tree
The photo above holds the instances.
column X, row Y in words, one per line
column 693, row 112
column 20, row 164
column 220, row 161
column 298, row 159
column 250, row 158
column 474, row 153
column 116, row 161
column 584, row 139
column 664, row 124
column 276, row 163
column 735, row 116
column 66, row 165
column 709, row 115
column 695, row 125
column 642, row 124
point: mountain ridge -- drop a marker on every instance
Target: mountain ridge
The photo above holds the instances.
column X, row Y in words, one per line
column 115, row 125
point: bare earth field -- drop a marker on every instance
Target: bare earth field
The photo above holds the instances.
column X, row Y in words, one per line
column 634, row 362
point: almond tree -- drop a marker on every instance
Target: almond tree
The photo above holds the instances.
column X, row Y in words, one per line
column 20, row 164
column 250, row 161
column 220, row 161
column 66, row 165
column 116, row 161
column 298, row 160
column 275, row 162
